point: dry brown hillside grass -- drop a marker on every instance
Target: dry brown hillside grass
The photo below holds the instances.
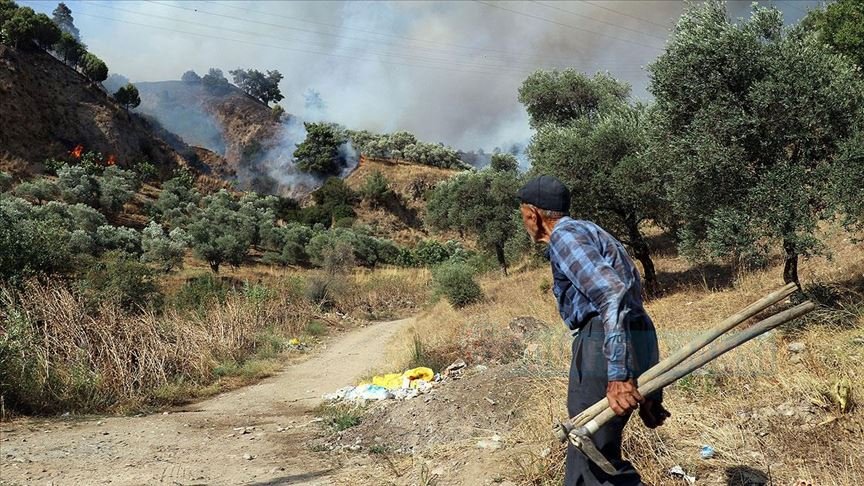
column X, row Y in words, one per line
column 47, row 108
column 401, row 220
column 766, row 411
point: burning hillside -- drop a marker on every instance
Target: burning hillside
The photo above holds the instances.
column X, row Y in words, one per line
column 48, row 108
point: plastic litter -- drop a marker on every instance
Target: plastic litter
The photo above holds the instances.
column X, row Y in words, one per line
column 338, row 394
column 296, row 343
column 401, row 386
column 414, row 376
column 368, row 392
column 455, row 370
column 707, row 452
column 408, row 379
column 678, row 472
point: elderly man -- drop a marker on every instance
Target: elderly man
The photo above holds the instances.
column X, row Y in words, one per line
column 599, row 298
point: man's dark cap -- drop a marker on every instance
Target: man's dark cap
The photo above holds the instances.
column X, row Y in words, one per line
column 546, row 192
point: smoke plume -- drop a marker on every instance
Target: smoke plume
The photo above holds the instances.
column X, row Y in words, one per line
column 447, row 71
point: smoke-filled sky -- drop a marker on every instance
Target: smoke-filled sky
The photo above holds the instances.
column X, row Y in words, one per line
column 447, row 71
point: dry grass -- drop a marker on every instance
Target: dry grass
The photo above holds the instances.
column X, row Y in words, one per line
column 765, row 415
column 61, row 355
column 58, row 353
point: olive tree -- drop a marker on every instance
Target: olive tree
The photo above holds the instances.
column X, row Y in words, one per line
column 39, row 190
column 116, row 187
column 595, row 141
column 177, row 202
column 220, row 232
column 841, row 25
column 483, row 204
column 166, row 250
column 751, row 119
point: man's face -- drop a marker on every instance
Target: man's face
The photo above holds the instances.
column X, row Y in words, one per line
column 531, row 220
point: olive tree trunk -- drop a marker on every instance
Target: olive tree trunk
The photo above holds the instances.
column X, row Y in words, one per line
column 642, row 252
column 790, row 264
column 499, row 254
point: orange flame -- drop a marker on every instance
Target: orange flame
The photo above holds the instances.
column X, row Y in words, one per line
column 77, row 151
column 111, row 160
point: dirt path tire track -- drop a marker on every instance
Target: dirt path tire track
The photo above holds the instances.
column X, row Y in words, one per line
column 198, row 445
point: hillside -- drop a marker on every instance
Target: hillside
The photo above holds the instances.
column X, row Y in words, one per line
column 48, row 108
column 400, row 220
column 224, row 122
column 244, row 142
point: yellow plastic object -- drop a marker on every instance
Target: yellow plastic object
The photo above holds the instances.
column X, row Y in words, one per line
column 294, row 342
column 421, row 373
column 390, row 381
column 410, row 378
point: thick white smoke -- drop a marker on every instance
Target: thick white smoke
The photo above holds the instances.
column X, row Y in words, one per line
column 447, row 71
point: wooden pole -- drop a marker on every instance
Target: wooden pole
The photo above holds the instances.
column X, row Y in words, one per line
column 700, row 342
column 727, row 344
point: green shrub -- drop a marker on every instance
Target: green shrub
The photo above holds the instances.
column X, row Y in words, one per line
column 200, row 292
column 431, row 252
column 120, row 278
column 38, row 191
column 376, row 189
column 456, row 282
column 316, row 328
column 320, row 291
column 146, row 171
column 5, row 181
column 341, row 416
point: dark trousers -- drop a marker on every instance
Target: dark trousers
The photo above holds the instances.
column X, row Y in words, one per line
column 588, row 385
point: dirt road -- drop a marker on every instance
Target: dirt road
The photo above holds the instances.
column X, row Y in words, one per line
column 203, row 443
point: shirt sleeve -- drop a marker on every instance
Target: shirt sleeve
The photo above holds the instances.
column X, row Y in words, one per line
column 578, row 259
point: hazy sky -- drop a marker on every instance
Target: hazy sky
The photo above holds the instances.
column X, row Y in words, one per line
column 447, row 71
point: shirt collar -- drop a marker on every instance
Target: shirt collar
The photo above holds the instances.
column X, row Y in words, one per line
column 560, row 222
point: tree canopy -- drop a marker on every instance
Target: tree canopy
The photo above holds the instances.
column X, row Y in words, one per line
column 750, row 120
column 23, row 27
column 62, row 16
column 93, row 67
column 319, row 152
column 841, row 25
column 215, row 81
column 599, row 153
column 482, row 204
column 558, row 97
column 128, row 96
column 261, row 86
column 70, row 49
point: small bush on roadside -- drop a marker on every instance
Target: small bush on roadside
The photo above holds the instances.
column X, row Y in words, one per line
column 320, row 292
column 121, row 279
column 455, row 281
column 201, row 291
column 341, row 416
column 316, row 328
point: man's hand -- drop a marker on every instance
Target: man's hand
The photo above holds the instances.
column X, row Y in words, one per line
column 652, row 413
column 623, row 396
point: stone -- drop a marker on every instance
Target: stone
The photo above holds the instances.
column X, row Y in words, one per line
column 526, row 325
column 796, row 347
column 248, row 457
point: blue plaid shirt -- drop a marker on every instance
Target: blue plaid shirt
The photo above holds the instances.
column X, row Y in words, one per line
column 594, row 276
